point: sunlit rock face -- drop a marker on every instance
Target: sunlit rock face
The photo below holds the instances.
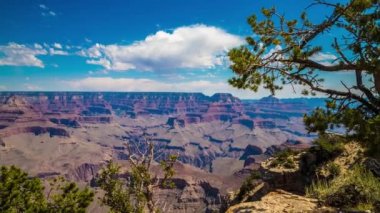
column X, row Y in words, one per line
column 217, row 139
column 199, row 128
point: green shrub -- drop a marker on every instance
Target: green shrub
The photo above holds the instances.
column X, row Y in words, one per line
column 326, row 148
column 289, row 163
column 248, row 184
column 356, row 189
column 21, row 193
column 333, row 169
column 283, row 158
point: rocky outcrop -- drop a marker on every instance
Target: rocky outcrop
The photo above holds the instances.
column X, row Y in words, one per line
column 190, row 197
column 66, row 122
column 249, row 123
column 280, row 177
column 36, row 130
column 371, row 164
column 280, row 201
column 84, row 173
column 265, row 124
column 251, row 150
column 249, row 161
column 99, row 107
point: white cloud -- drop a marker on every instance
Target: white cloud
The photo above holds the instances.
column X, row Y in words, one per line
column 21, row 55
column 26, row 55
column 32, row 87
column 43, row 6
column 2, row 87
column 46, row 11
column 57, row 45
column 326, row 59
column 53, row 51
column 196, row 46
column 148, row 85
column 102, row 62
column 38, row 46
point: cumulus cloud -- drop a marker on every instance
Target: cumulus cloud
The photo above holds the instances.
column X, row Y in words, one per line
column 196, row 46
column 2, row 87
column 326, row 59
column 57, row 45
column 38, row 46
column 21, row 55
column 26, row 55
column 53, row 51
column 149, row 85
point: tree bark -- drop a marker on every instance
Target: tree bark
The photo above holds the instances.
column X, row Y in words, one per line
column 149, row 195
column 376, row 78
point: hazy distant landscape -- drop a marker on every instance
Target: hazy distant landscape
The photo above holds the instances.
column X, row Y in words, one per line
column 75, row 133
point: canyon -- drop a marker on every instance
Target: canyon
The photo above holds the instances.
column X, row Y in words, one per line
column 218, row 139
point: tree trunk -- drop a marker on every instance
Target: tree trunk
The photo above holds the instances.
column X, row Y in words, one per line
column 150, row 203
column 376, row 79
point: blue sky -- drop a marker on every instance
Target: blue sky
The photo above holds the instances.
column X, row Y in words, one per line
column 124, row 45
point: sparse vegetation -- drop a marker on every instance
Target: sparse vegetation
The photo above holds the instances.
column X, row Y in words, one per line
column 327, row 147
column 248, row 185
column 356, row 189
column 21, row 193
column 135, row 194
column 284, row 158
column 333, row 169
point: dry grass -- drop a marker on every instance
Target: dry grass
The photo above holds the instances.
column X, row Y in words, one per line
column 357, row 189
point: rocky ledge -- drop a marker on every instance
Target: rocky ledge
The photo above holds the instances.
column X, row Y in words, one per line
column 280, row 201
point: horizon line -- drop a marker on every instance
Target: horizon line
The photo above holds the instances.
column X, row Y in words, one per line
column 66, row 91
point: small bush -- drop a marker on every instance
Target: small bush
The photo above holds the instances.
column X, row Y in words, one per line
column 283, row 158
column 356, row 189
column 248, row 184
column 333, row 169
column 289, row 163
column 283, row 154
column 325, row 148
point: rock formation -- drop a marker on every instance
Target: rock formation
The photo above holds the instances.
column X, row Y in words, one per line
column 74, row 133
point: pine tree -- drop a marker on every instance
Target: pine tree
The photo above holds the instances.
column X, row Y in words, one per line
column 21, row 193
column 284, row 52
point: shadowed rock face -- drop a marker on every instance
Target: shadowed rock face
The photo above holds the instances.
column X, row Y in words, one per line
column 37, row 130
column 251, row 150
column 85, row 172
column 66, row 122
